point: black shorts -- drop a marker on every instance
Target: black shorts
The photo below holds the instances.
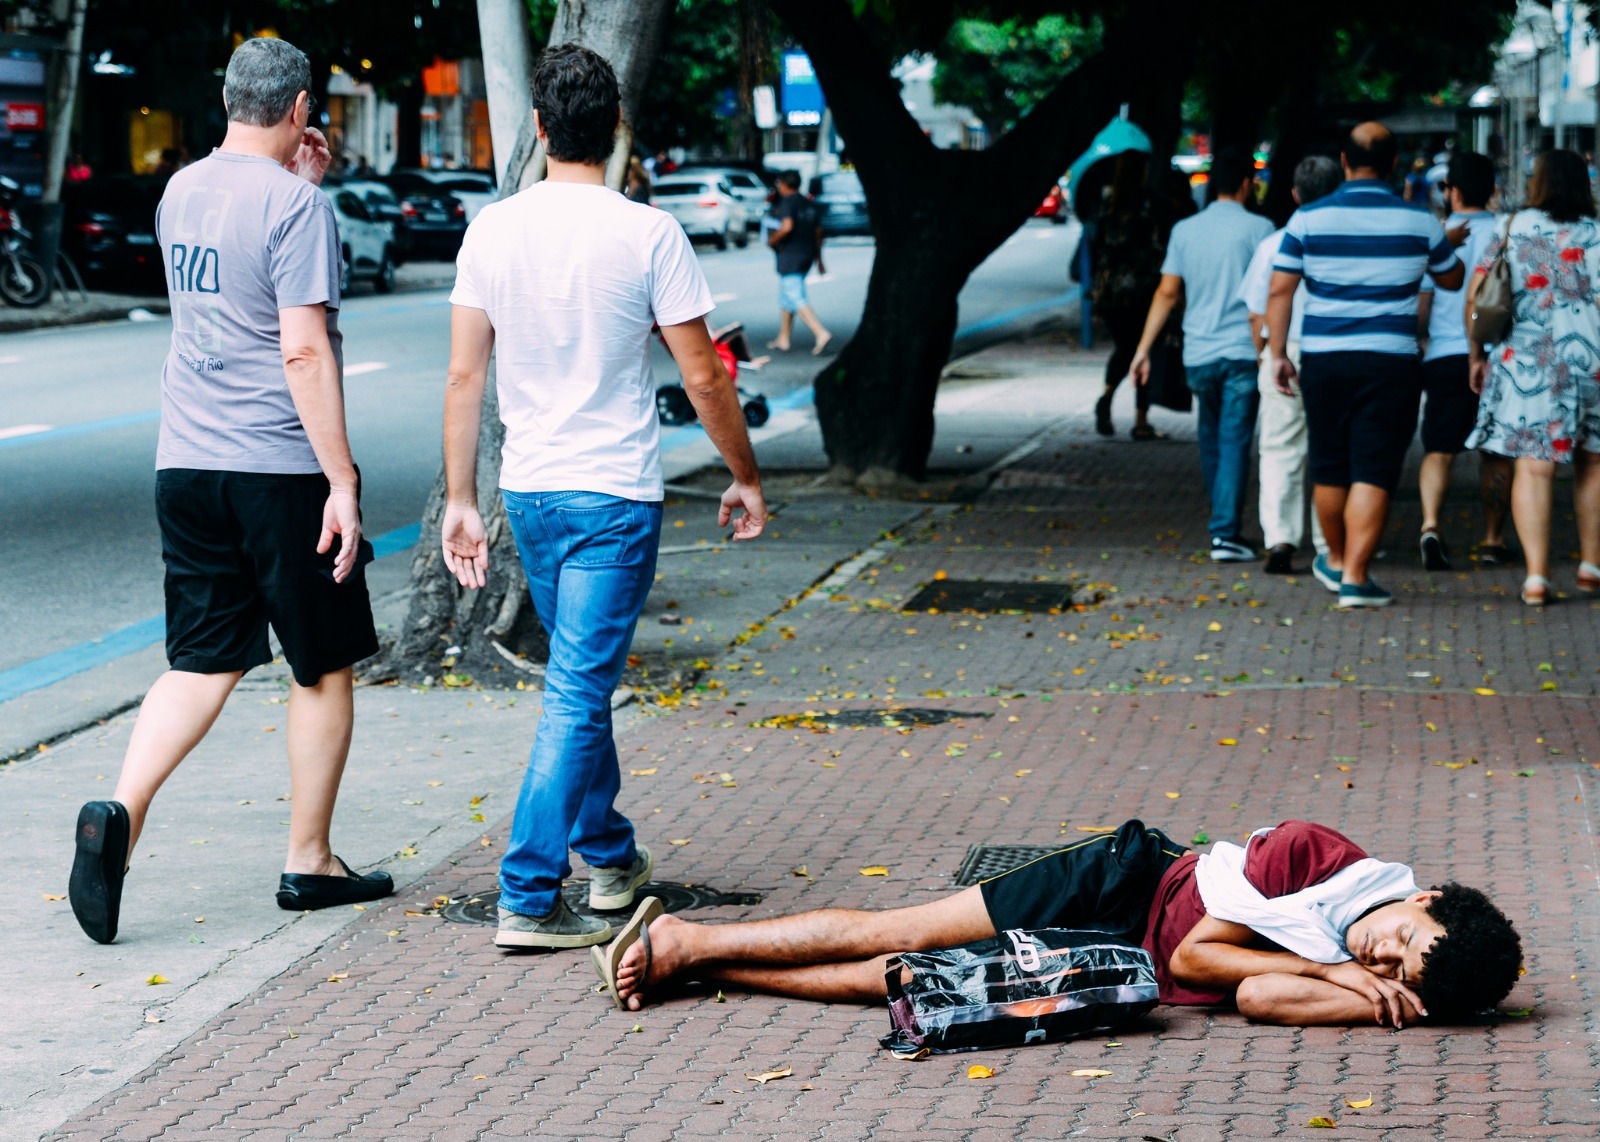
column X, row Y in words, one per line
column 1106, row 883
column 241, row 552
column 1451, row 408
column 1361, row 412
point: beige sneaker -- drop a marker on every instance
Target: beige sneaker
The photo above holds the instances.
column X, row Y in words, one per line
column 613, row 888
column 563, row 928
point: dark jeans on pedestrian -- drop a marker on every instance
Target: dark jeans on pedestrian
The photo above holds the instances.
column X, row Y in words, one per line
column 1227, row 398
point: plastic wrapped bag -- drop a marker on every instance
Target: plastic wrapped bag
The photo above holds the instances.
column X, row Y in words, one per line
column 1020, row 987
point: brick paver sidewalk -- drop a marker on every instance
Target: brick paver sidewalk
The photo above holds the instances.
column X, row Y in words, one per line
column 1456, row 731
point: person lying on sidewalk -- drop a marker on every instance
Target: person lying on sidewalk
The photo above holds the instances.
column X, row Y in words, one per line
column 1298, row 927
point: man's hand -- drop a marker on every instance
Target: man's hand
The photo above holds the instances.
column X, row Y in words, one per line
column 1392, row 1001
column 311, row 161
column 753, row 522
column 1139, row 370
column 1284, row 375
column 466, row 545
column 1478, row 373
column 342, row 517
column 1457, row 235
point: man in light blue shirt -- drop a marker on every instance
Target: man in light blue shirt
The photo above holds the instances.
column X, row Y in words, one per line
column 1207, row 256
column 1362, row 251
column 1450, row 407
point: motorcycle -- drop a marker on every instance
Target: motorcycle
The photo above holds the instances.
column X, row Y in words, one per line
column 673, row 404
column 23, row 280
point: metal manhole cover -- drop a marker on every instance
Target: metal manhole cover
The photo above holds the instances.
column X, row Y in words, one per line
column 986, row 861
column 483, row 907
column 989, row 596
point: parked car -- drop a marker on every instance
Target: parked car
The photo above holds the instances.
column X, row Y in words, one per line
column 705, row 206
column 474, row 189
column 109, row 231
column 1054, row 206
column 366, row 243
column 384, row 206
column 747, row 186
column 841, row 203
column 435, row 219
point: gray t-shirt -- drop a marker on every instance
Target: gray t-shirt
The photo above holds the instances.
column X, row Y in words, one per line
column 1211, row 252
column 241, row 239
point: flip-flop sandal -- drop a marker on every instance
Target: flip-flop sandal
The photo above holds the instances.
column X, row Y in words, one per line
column 1588, row 578
column 636, row 931
column 1535, row 591
column 98, row 868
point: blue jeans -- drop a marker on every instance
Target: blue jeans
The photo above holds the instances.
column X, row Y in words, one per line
column 590, row 559
column 1226, row 396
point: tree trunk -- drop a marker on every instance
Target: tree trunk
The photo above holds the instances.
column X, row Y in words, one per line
column 503, row 27
column 936, row 216
column 63, row 104
column 493, row 635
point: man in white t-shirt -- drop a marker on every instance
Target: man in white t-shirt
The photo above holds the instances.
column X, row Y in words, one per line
column 1282, row 418
column 563, row 284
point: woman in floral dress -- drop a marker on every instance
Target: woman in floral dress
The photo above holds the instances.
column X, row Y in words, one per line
column 1540, row 399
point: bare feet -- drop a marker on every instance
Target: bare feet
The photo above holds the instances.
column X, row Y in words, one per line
column 821, row 345
column 780, row 346
column 635, row 975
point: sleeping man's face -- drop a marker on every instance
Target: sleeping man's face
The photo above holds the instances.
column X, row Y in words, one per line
column 1390, row 941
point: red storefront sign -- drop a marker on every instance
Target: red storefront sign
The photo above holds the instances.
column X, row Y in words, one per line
column 25, row 116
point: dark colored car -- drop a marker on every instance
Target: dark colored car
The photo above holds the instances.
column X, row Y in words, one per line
column 841, row 203
column 435, row 219
column 109, row 231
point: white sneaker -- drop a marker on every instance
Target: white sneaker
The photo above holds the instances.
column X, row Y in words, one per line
column 1230, row 551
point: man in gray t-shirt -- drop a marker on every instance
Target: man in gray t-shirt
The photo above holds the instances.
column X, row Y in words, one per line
column 256, row 492
column 1207, row 256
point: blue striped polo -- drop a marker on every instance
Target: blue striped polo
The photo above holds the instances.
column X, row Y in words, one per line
column 1362, row 251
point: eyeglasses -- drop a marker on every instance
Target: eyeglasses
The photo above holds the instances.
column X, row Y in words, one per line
column 311, row 105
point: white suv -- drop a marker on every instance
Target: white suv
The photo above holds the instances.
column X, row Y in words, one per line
column 366, row 243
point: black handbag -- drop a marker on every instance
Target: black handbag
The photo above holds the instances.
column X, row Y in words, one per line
column 1021, row 987
column 1168, row 383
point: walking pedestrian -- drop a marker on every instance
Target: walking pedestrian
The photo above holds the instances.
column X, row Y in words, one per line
column 1362, row 251
column 562, row 284
column 1282, row 445
column 796, row 239
column 1206, row 259
column 1450, row 407
column 1127, row 245
column 257, row 496
column 1540, row 400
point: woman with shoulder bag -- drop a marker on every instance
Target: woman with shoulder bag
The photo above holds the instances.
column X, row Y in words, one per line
column 1540, row 396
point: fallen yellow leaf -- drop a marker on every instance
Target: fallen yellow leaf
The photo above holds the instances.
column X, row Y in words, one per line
column 1173, row 796
column 156, row 979
column 1097, row 828
column 337, row 976
column 1020, row 773
column 1358, row 1103
column 54, row 896
column 1227, row 741
column 1090, row 1073
column 1323, row 1122
column 1213, row 626
column 977, row 1071
column 651, row 772
column 1486, row 691
column 767, row 1076
column 1432, row 729
column 680, row 842
column 875, row 870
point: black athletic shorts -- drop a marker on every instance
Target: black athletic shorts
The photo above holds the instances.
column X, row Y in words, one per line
column 241, row 552
column 1361, row 413
column 1106, row 883
column 1451, row 407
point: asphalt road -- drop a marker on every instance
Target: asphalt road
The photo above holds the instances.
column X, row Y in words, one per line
column 79, row 407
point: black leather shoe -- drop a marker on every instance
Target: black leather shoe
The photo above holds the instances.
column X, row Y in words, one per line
column 305, row 891
column 95, row 887
column 1280, row 559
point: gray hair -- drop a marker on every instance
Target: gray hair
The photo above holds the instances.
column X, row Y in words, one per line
column 1316, row 176
column 264, row 77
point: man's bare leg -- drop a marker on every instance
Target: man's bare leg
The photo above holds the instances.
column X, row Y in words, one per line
column 1328, row 501
column 320, row 722
column 780, row 955
column 1433, row 481
column 176, row 714
column 1494, row 493
column 785, row 331
column 814, row 323
column 1365, row 511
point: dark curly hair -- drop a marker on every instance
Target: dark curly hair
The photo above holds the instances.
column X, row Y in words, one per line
column 1473, row 965
column 575, row 93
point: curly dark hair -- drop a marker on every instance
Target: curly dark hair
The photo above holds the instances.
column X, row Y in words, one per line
column 1473, row 965
column 575, row 93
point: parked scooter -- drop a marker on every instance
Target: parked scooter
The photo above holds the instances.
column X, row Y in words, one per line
column 23, row 281
column 673, row 404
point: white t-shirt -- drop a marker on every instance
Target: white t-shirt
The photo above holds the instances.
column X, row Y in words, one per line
column 1257, row 284
column 573, row 276
column 1447, row 320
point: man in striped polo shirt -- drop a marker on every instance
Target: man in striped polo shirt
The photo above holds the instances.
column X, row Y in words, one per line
column 1362, row 251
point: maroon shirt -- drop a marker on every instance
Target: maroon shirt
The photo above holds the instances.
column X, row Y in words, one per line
column 1295, row 855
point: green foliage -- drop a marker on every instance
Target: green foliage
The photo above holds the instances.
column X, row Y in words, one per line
column 1000, row 70
column 698, row 65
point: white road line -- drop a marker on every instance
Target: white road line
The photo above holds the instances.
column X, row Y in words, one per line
column 361, row 367
column 23, row 430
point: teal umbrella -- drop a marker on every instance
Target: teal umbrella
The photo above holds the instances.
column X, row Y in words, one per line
column 1118, row 137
